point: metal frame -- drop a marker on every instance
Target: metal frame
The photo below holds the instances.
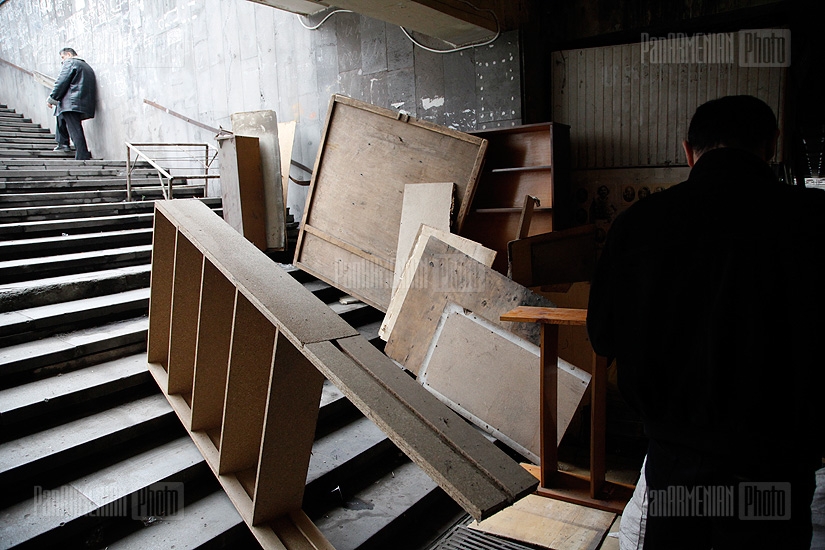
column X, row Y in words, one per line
column 163, row 174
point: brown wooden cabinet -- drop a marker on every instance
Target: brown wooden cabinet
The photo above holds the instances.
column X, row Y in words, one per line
column 530, row 160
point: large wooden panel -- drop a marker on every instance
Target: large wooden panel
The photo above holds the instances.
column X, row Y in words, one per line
column 430, row 204
column 553, row 258
column 476, row 368
column 367, row 156
column 444, row 275
column 471, row 248
column 242, row 187
column 264, row 126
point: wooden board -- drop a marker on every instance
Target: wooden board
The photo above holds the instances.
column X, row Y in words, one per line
column 242, row 187
column 445, row 274
column 424, row 203
column 286, row 140
column 552, row 258
column 471, row 248
column 354, row 183
column 550, row 523
column 474, row 472
column 478, row 368
column 264, row 126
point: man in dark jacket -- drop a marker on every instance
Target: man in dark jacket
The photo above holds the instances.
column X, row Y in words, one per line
column 74, row 97
column 710, row 297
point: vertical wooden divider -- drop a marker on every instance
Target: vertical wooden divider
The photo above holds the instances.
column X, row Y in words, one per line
column 293, row 402
column 250, row 362
column 160, row 301
column 215, row 317
column 183, row 327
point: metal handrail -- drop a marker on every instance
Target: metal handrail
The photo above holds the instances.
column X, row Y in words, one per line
column 165, row 177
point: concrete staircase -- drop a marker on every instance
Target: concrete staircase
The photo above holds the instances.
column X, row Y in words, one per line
column 84, row 430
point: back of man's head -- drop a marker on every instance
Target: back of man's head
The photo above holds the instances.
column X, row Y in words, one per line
column 738, row 121
column 69, row 51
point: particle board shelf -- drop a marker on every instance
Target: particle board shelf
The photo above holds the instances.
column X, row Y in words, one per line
column 241, row 350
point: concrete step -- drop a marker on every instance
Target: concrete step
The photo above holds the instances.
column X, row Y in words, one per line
column 47, row 164
column 68, row 211
column 46, row 186
column 36, row 147
column 73, row 173
column 28, row 138
column 13, row 271
column 10, row 200
column 50, row 396
column 54, row 290
column 67, row 244
column 72, row 350
column 21, row 121
column 12, row 154
column 73, row 226
column 37, row 322
column 9, row 113
column 69, row 512
column 35, row 132
column 27, row 456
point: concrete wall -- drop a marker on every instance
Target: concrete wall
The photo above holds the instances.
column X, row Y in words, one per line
column 209, row 58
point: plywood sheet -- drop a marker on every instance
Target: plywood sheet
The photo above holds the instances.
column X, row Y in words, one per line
column 367, row 155
column 445, row 274
column 471, row 248
column 264, row 126
column 491, row 377
column 550, row 523
column 425, row 203
column 286, row 140
column 242, row 187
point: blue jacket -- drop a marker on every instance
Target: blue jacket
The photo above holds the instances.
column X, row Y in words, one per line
column 74, row 90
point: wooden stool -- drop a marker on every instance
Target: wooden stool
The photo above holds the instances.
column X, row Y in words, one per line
column 593, row 491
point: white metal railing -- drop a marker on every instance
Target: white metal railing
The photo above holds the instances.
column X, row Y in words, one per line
column 189, row 161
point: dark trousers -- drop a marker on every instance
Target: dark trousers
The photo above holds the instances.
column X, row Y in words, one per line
column 69, row 125
column 725, row 519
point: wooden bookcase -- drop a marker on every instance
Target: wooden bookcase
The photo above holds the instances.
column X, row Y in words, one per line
column 531, row 160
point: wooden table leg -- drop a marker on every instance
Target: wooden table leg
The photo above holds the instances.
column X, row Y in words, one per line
column 549, row 403
column 598, row 424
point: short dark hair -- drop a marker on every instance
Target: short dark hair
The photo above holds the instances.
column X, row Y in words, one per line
column 737, row 121
column 69, row 50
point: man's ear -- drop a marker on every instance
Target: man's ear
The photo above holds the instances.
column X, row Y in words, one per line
column 689, row 153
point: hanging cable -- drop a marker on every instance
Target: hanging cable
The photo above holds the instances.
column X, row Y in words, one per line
column 413, row 40
column 324, row 20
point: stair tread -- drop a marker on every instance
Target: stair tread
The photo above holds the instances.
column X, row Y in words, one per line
column 335, row 449
column 33, row 263
column 34, row 447
column 203, row 521
column 35, row 316
column 40, row 352
column 25, row 396
column 374, row 508
column 54, row 282
column 74, row 208
column 92, row 492
column 63, row 240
